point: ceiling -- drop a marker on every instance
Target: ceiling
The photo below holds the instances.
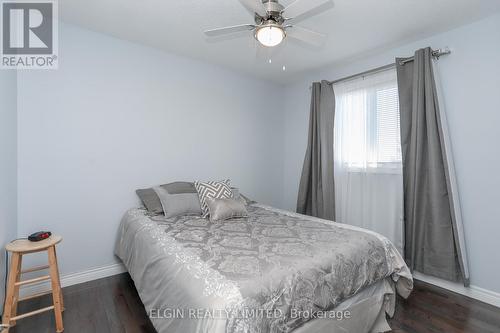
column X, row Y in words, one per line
column 354, row 27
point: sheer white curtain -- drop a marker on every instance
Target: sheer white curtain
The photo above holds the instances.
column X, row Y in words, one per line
column 368, row 163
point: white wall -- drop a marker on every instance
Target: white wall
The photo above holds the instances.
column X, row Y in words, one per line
column 471, row 85
column 8, row 167
column 117, row 116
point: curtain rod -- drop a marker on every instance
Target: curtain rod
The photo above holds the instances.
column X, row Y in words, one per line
column 435, row 53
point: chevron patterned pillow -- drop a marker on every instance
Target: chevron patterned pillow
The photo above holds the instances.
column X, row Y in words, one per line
column 213, row 190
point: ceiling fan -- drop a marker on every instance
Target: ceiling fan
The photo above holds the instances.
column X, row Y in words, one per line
column 275, row 22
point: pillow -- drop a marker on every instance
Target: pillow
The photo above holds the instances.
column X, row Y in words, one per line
column 247, row 199
column 225, row 209
column 238, row 196
column 178, row 204
column 151, row 201
column 214, row 190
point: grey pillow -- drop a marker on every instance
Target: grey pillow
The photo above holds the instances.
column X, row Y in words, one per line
column 178, row 204
column 151, row 201
column 238, row 196
column 225, row 209
column 247, row 199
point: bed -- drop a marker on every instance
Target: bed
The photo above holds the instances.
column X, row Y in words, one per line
column 274, row 271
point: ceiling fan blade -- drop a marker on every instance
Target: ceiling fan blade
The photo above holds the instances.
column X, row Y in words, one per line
column 296, row 10
column 305, row 35
column 229, row 30
column 255, row 6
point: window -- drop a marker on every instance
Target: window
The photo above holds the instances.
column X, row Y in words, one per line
column 367, row 132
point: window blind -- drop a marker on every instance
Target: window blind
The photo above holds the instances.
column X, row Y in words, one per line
column 367, row 124
column 388, row 125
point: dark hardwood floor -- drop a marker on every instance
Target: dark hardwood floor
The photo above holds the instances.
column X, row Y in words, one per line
column 112, row 305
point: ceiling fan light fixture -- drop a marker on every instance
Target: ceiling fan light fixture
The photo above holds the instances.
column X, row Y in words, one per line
column 270, row 35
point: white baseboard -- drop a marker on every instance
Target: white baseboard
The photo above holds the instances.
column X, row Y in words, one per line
column 475, row 292
column 75, row 278
column 481, row 294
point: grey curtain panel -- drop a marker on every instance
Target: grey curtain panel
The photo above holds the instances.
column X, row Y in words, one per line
column 316, row 190
column 434, row 242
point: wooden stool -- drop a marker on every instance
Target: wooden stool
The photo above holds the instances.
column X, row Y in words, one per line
column 19, row 248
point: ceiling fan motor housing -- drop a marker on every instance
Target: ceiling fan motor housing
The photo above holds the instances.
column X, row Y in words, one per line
column 273, row 6
column 274, row 12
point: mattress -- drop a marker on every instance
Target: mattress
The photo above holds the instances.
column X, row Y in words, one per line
column 264, row 273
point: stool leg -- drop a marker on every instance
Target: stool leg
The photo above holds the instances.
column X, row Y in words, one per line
column 59, row 280
column 56, row 290
column 16, row 289
column 9, row 297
